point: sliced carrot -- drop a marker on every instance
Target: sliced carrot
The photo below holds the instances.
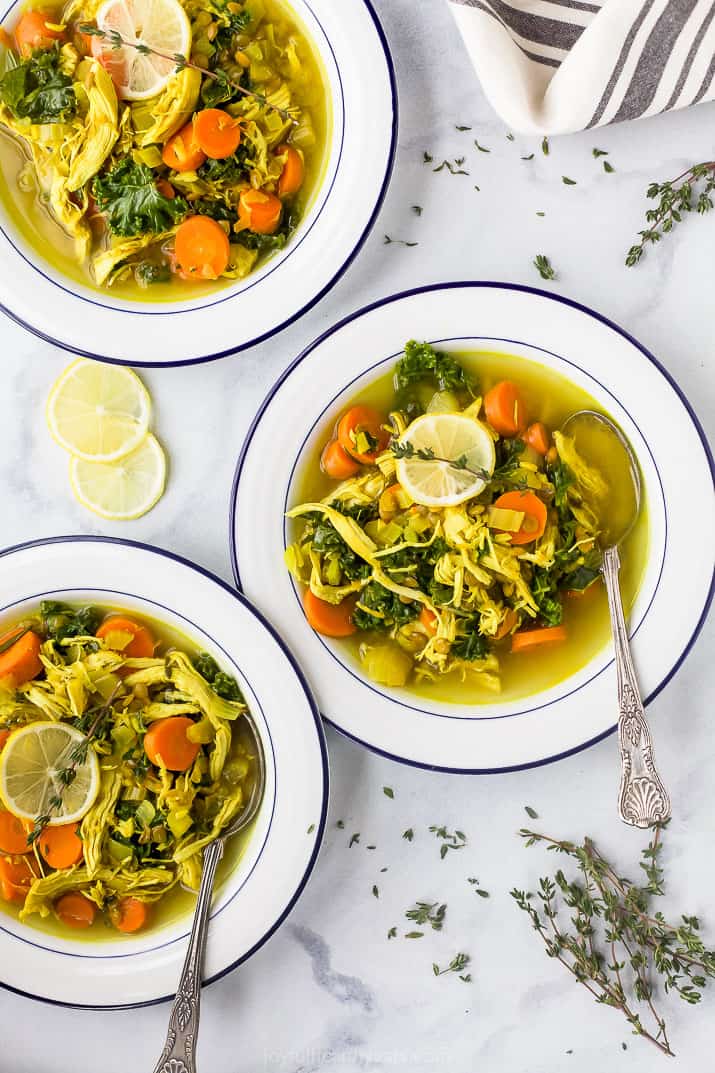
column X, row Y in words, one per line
column 129, row 915
column 552, row 456
column 332, row 620
column 182, row 152
column 20, row 662
column 538, row 437
column 33, row 32
column 524, row 639
column 293, row 172
column 337, row 463
column 13, row 834
column 429, row 620
column 16, row 878
column 505, row 409
column 141, row 647
column 4, row 735
column 166, row 743
column 61, row 846
column 508, row 623
column 75, row 910
column 202, row 248
column 217, row 132
column 260, row 212
column 363, row 423
column 535, row 514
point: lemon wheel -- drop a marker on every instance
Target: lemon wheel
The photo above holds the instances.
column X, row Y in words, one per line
column 31, row 784
column 448, row 459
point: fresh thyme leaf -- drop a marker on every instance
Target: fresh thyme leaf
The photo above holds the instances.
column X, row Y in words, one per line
column 601, row 927
column 543, row 266
column 375, row 891
column 311, row 829
column 370, row 847
column 417, row 209
column 608, row 167
column 353, row 840
column 392, row 933
column 545, row 146
column 481, row 148
column 510, row 137
column 568, row 182
column 414, row 935
column 450, row 840
column 599, row 152
column 340, row 824
column 541, row 214
column 426, row 454
column 457, row 126
column 398, row 242
column 477, row 889
column 531, row 812
column 692, row 191
column 529, row 157
column 427, row 157
column 428, row 913
column 388, row 791
column 409, row 834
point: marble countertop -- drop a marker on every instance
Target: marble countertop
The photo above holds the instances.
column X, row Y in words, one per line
column 330, row 991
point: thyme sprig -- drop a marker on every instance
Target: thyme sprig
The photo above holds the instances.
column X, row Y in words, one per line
column 76, row 758
column 426, row 454
column 428, row 913
column 691, row 191
column 458, row 963
column 615, row 945
column 117, row 41
column 450, row 839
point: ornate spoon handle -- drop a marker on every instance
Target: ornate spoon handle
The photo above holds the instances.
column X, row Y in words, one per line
column 179, row 1054
column 642, row 798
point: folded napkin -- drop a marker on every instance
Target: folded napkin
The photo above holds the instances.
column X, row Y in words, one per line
column 553, row 66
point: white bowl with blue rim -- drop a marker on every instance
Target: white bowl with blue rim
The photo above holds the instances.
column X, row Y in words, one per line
column 586, row 349
column 360, row 154
column 278, row 858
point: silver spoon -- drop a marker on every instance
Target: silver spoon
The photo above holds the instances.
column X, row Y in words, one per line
column 642, row 798
column 179, row 1054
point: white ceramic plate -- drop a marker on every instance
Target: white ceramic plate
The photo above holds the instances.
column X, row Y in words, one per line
column 351, row 43
column 588, row 350
column 283, row 846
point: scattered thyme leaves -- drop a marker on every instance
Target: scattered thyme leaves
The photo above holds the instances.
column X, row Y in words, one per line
column 311, row 828
column 353, row 840
column 543, row 266
column 601, row 927
column 428, row 913
column 459, row 127
column 529, row 157
column 531, row 812
column 458, row 963
column 388, row 241
column 417, row 209
column 545, row 147
column 481, row 148
column 408, row 835
column 608, row 167
column 388, row 791
column 477, row 889
column 375, row 891
column 453, row 167
column 392, row 933
column 599, row 152
column 427, row 158
column 567, row 181
column 449, row 839
column 414, row 935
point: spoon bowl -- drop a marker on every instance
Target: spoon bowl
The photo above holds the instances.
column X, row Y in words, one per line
column 643, row 799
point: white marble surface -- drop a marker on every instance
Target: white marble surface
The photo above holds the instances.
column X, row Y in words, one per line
column 329, row 991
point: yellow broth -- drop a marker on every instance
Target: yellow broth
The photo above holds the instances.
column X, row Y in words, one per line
column 177, row 903
column 550, row 398
column 32, row 218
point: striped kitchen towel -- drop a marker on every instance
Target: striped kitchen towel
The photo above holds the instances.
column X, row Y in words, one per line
column 553, row 66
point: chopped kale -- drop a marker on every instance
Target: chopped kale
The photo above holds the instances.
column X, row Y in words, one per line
column 60, row 621
column 387, row 609
column 221, row 683
column 148, row 272
column 38, row 90
column 422, row 362
column 326, row 540
column 473, row 645
column 132, row 204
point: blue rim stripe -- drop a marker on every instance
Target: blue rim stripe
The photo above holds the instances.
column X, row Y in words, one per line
column 320, row 732
column 477, row 285
column 299, row 313
column 244, row 676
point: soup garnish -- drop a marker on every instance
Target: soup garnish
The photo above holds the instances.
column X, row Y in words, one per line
column 448, row 533
column 121, row 758
column 171, row 143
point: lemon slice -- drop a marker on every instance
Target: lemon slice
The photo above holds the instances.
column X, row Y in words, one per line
column 122, row 490
column 443, row 439
column 98, row 412
column 30, row 784
column 155, row 24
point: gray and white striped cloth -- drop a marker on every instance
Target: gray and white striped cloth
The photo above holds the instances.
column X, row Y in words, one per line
column 553, row 66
